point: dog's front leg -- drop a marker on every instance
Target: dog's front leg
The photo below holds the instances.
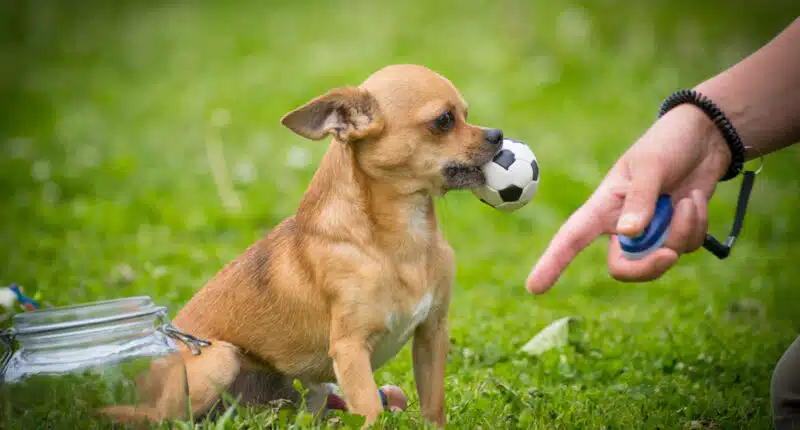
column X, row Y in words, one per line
column 353, row 367
column 429, row 355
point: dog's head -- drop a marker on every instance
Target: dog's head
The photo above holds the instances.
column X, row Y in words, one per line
column 407, row 125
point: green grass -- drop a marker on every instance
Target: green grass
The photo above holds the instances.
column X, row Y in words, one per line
column 107, row 191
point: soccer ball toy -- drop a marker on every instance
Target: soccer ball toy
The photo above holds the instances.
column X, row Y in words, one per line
column 512, row 177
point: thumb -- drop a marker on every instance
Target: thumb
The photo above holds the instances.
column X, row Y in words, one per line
column 640, row 200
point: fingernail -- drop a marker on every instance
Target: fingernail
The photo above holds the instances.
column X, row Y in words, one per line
column 535, row 287
column 627, row 222
column 530, row 283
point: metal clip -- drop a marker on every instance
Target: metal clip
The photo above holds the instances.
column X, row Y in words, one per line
column 7, row 339
column 194, row 344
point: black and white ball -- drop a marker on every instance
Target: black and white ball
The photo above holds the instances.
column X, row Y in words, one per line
column 512, row 177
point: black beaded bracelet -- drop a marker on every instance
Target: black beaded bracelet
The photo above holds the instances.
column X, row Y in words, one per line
column 720, row 120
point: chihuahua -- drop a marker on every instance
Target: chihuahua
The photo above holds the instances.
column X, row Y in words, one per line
column 336, row 290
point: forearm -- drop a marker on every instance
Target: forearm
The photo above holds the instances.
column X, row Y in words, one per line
column 761, row 94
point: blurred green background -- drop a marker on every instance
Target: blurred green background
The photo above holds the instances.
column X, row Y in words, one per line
column 115, row 114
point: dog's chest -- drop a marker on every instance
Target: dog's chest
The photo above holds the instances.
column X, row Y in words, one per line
column 400, row 329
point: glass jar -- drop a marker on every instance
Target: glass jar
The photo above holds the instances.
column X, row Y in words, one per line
column 74, row 363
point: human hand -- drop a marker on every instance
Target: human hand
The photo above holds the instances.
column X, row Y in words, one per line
column 682, row 154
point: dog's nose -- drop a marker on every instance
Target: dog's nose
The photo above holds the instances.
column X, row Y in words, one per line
column 493, row 136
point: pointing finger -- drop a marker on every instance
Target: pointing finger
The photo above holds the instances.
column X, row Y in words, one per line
column 583, row 227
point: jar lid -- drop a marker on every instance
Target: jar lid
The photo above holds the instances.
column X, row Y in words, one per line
column 83, row 315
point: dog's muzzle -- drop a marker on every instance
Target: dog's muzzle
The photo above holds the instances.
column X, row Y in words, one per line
column 459, row 176
column 463, row 176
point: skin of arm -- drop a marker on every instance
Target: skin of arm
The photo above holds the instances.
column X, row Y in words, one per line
column 683, row 153
column 761, row 94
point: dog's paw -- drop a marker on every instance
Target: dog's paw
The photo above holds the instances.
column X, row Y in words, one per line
column 395, row 399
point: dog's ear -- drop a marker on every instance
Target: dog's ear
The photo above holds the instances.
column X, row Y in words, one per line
column 349, row 113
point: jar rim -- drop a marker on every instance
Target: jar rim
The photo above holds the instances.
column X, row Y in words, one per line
column 83, row 315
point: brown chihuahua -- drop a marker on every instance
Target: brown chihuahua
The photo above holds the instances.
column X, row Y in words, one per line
column 333, row 292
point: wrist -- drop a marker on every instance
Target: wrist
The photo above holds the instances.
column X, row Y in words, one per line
column 718, row 153
column 725, row 130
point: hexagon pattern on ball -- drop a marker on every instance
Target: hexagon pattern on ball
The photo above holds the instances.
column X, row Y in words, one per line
column 520, row 149
column 510, row 194
column 512, row 177
column 521, row 174
column 497, row 177
column 504, row 158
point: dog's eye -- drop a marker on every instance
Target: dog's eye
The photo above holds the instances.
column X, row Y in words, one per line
column 445, row 121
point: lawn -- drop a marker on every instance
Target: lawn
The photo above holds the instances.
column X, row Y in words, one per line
column 114, row 114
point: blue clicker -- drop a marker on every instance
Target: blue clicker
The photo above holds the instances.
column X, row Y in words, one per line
column 635, row 248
